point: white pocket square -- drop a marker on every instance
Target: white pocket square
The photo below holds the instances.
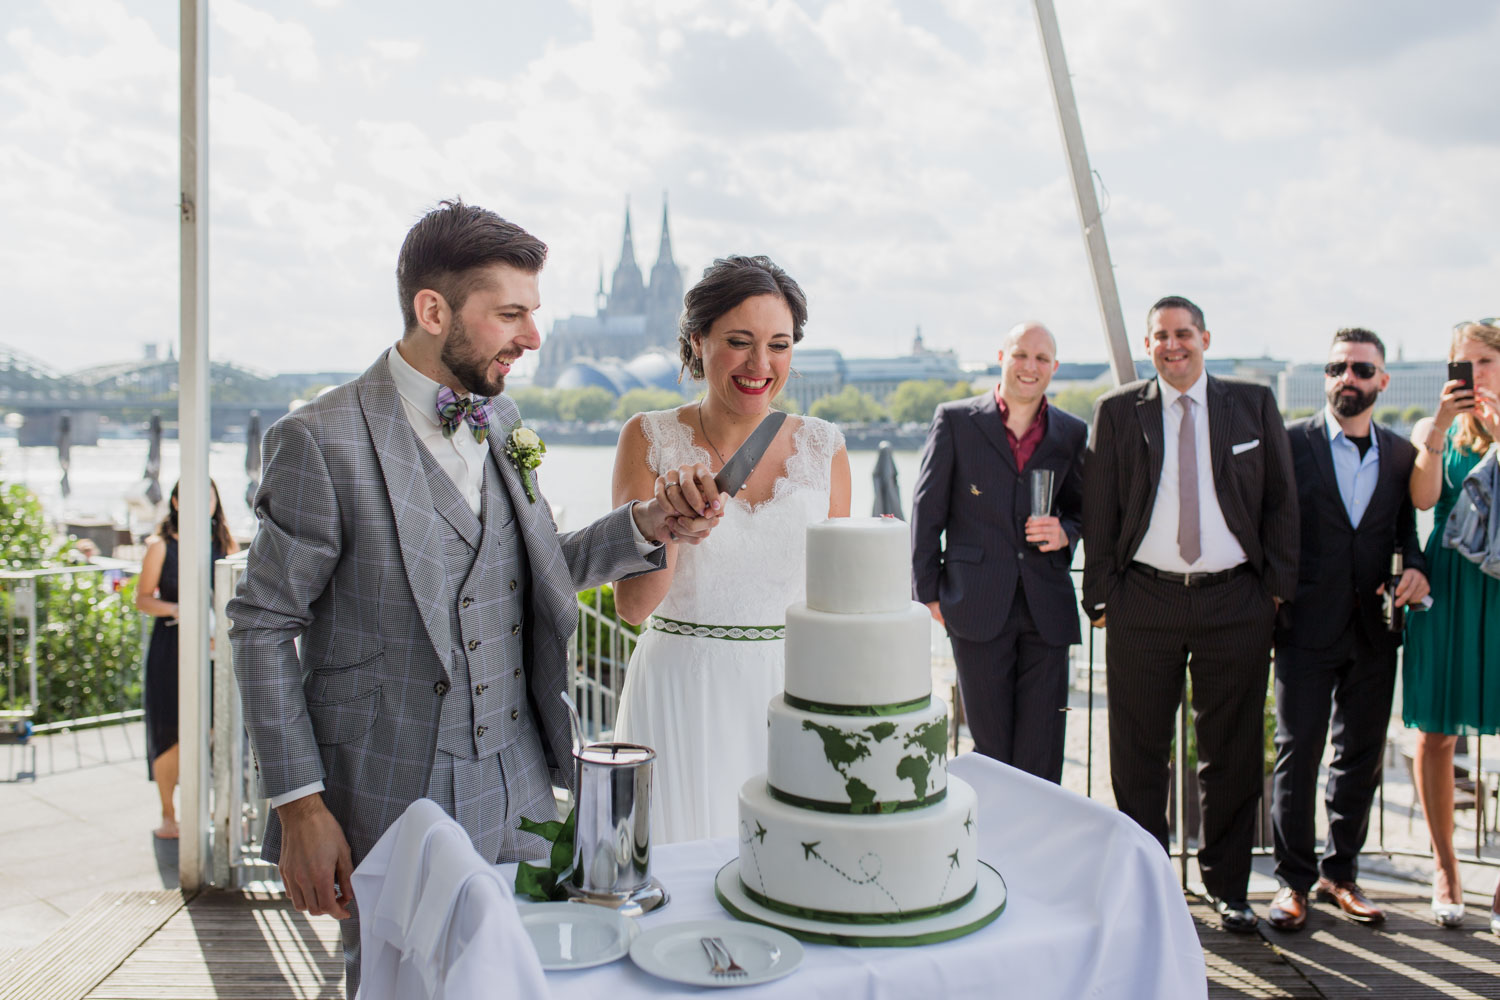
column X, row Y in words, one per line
column 1240, row 449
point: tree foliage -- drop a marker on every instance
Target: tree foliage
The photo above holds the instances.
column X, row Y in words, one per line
column 916, row 401
column 587, row 405
column 534, row 402
column 640, row 400
column 848, row 406
column 1079, row 401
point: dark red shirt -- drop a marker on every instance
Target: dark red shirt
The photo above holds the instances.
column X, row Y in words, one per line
column 1024, row 446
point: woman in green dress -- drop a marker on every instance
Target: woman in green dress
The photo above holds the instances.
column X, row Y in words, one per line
column 1452, row 661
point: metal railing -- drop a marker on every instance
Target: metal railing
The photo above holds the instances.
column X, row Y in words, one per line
column 73, row 649
column 599, row 654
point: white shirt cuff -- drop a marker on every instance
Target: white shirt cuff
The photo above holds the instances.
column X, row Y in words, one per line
column 277, row 801
column 642, row 545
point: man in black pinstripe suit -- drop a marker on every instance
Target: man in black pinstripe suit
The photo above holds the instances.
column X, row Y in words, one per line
column 1191, row 540
column 999, row 581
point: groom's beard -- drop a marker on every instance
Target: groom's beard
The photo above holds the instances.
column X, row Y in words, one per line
column 460, row 358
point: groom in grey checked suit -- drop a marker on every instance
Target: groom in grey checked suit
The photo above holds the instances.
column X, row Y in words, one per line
column 432, row 597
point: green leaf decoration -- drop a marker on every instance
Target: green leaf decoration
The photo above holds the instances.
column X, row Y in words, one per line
column 548, row 883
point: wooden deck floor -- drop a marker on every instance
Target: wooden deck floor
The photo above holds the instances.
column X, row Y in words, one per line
column 232, row 945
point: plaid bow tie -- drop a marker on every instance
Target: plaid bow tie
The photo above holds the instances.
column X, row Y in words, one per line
column 454, row 409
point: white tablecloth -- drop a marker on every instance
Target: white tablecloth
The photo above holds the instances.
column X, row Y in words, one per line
column 1094, row 910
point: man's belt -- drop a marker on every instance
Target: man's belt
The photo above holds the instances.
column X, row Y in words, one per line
column 1191, row 579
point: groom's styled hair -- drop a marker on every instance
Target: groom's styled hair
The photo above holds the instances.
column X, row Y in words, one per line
column 446, row 248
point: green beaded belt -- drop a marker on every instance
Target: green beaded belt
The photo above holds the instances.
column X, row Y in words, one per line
column 734, row 633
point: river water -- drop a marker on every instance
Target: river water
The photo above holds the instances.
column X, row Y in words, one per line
column 107, row 480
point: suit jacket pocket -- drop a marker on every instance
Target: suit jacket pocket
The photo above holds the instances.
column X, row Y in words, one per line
column 963, row 554
column 345, row 721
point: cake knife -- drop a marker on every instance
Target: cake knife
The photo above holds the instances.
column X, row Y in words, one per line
column 731, row 478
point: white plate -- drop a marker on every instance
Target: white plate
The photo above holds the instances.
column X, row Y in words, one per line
column 576, row 935
column 675, row 952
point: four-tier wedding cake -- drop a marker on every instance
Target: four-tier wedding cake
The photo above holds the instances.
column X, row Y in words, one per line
column 856, row 819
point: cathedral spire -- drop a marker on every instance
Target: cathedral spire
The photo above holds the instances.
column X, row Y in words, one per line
column 627, row 289
column 664, row 250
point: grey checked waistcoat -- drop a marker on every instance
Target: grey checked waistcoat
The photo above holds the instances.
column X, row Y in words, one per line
column 486, row 708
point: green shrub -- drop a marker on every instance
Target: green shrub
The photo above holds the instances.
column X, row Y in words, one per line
column 89, row 635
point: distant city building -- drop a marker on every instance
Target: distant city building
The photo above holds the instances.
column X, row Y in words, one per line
column 633, row 319
column 1413, row 384
column 824, row 372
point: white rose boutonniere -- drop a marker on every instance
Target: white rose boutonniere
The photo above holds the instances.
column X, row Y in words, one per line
column 525, row 450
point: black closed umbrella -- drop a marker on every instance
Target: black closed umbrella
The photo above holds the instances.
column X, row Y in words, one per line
column 887, row 492
column 65, row 450
column 252, row 458
column 153, row 461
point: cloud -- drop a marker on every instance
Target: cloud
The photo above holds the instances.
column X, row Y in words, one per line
column 1296, row 167
column 282, row 46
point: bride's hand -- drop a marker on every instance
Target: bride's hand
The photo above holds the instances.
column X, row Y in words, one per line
column 689, row 492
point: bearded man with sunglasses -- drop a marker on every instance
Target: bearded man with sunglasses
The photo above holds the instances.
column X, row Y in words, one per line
column 1333, row 649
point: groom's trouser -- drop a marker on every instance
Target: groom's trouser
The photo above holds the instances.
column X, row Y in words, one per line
column 479, row 794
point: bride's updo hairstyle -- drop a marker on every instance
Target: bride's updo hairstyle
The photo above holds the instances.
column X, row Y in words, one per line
column 726, row 283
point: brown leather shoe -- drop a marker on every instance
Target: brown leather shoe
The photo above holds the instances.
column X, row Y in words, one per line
column 1288, row 910
column 1351, row 900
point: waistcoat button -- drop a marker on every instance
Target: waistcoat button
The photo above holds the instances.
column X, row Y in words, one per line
column 479, row 688
column 440, row 688
column 473, row 643
column 466, row 602
column 481, row 731
column 512, row 585
column 515, row 713
column 518, row 671
column 515, row 630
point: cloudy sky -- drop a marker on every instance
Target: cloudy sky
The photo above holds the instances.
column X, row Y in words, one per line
column 1292, row 166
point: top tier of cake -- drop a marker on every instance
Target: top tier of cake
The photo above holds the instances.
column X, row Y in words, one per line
column 859, row 565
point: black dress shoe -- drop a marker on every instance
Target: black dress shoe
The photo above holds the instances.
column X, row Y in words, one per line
column 1235, row 915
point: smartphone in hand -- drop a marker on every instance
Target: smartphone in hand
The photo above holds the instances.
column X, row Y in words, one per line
column 1462, row 371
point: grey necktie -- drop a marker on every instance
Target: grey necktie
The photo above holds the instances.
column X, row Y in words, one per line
column 1189, row 541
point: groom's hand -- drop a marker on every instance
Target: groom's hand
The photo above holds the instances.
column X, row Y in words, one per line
column 315, row 861
column 686, row 506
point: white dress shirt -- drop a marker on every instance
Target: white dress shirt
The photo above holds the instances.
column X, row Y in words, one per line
column 461, row 457
column 1221, row 550
column 1356, row 474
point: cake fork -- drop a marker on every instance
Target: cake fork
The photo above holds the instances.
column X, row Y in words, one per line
column 734, row 969
column 713, row 956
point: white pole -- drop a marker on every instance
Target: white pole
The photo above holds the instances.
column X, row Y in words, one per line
column 193, row 432
column 1083, row 191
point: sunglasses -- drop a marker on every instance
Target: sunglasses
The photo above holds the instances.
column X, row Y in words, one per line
column 1486, row 321
column 1362, row 369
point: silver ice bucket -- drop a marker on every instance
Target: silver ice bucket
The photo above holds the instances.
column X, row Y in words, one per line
column 612, row 835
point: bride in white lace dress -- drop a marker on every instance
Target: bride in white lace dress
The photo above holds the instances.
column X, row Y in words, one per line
column 699, row 681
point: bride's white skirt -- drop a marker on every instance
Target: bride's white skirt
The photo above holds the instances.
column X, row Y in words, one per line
column 701, row 705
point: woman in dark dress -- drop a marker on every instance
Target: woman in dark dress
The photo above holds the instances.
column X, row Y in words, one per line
column 156, row 595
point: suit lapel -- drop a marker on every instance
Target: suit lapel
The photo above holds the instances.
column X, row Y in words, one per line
column 1387, row 483
column 1148, row 412
column 1322, row 453
column 987, row 417
column 1220, row 419
column 553, row 603
column 407, row 486
column 448, row 502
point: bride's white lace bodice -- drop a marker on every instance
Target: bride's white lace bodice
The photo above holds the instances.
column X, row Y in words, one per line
column 753, row 564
